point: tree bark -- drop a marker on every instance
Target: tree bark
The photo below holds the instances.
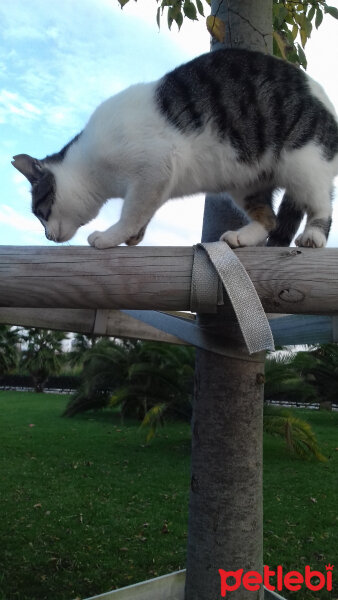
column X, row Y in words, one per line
column 225, row 509
column 225, row 527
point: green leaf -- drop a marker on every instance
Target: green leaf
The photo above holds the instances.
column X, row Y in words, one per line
column 279, row 14
column 189, row 10
column 293, row 56
column 170, row 18
column 280, row 43
column 154, row 414
column 300, row 18
column 294, row 32
column 311, row 13
column 158, row 17
column 303, row 37
column 302, row 57
column 179, row 20
column 287, row 35
column 174, row 12
column 331, row 10
column 151, row 434
column 200, row 7
column 275, row 48
column 319, row 18
column 308, row 26
column 289, row 18
column 123, row 2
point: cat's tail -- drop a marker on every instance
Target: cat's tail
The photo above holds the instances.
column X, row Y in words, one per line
column 289, row 218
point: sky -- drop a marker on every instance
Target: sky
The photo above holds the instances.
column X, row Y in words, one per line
column 59, row 60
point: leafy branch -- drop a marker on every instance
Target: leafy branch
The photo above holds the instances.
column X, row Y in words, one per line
column 293, row 22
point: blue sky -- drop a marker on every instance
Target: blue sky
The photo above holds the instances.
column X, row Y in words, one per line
column 59, row 60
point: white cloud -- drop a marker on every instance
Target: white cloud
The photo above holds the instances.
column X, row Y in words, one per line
column 12, row 104
column 63, row 72
column 21, row 222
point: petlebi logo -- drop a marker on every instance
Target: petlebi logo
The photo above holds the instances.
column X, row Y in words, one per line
column 290, row 580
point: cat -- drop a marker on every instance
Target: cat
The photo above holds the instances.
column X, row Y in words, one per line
column 231, row 120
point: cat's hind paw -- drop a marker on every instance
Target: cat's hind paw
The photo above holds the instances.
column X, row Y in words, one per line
column 231, row 238
column 311, row 238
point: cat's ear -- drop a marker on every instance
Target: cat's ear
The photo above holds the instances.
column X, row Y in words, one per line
column 27, row 165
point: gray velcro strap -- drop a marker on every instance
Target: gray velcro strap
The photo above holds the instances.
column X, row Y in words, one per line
column 225, row 267
column 205, row 292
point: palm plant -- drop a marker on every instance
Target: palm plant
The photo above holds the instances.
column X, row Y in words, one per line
column 284, row 375
column 42, row 355
column 151, row 380
column 105, row 367
column 81, row 344
column 9, row 341
column 297, row 433
column 319, row 368
column 284, row 381
column 159, row 382
column 141, row 378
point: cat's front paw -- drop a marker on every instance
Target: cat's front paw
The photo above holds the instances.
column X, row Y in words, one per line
column 311, row 238
column 99, row 240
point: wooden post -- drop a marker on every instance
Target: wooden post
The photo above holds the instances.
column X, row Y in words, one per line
column 225, row 510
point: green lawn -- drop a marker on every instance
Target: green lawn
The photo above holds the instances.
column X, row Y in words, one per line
column 86, row 506
column 301, row 504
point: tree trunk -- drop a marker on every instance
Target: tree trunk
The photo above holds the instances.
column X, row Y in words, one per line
column 39, row 384
column 325, row 405
column 225, row 523
column 225, row 510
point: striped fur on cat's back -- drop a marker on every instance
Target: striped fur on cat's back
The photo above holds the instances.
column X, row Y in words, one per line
column 232, row 120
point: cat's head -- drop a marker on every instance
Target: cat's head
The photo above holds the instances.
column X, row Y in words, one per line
column 54, row 202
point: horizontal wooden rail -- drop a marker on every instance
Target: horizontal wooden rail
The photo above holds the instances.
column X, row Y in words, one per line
column 287, row 330
column 287, row 280
column 86, row 321
column 83, row 277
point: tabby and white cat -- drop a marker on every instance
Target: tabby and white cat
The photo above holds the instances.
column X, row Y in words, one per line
column 230, row 120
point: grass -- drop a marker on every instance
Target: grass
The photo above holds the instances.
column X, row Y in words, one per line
column 301, row 504
column 87, row 507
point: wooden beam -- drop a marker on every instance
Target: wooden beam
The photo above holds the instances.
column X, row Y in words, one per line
column 85, row 321
column 287, row 280
column 288, row 330
column 83, row 277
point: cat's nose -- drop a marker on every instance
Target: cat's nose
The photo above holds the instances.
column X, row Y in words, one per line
column 49, row 236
